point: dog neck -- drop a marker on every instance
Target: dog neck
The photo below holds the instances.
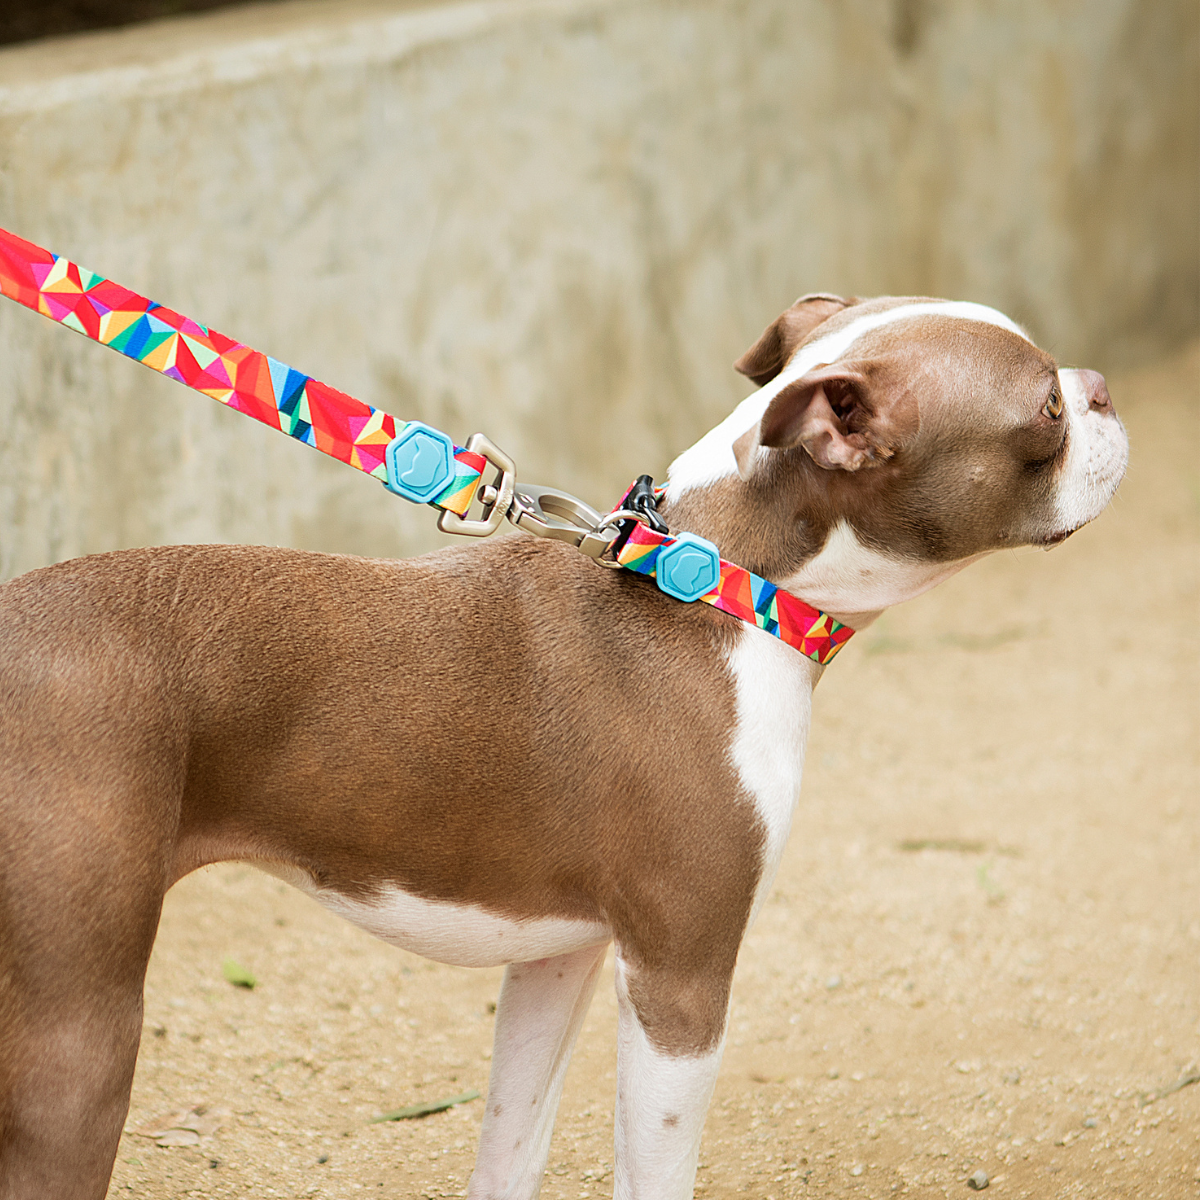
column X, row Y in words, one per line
column 800, row 539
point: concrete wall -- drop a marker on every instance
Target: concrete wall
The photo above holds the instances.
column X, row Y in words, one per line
column 557, row 221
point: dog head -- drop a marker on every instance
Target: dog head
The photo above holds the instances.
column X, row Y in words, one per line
column 891, row 442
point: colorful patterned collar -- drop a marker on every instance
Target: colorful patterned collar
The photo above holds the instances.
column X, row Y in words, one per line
column 691, row 568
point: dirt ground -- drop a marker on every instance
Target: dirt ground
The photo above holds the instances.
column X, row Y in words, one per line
column 982, row 952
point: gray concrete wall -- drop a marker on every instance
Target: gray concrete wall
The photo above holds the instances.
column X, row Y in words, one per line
column 557, row 221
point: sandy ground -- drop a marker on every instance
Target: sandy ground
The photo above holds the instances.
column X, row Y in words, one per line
column 983, row 950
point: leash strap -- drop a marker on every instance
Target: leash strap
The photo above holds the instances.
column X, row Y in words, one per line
column 411, row 459
column 690, row 568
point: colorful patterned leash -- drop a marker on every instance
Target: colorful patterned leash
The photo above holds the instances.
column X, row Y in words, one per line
column 414, row 461
column 410, row 458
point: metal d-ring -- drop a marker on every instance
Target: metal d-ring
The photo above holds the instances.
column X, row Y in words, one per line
column 621, row 514
column 612, row 522
column 496, row 497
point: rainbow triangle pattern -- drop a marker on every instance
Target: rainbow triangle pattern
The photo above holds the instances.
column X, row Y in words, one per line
column 743, row 594
column 241, row 378
column 333, row 422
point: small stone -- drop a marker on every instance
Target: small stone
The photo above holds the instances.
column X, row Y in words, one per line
column 834, row 981
column 978, row 1181
column 178, row 1137
column 857, row 1169
column 834, row 1073
column 1089, row 1122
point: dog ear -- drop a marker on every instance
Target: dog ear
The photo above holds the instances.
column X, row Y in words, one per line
column 769, row 355
column 829, row 412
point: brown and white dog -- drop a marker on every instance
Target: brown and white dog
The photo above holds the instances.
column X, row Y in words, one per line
column 500, row 754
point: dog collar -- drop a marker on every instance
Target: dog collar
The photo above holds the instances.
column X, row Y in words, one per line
column 410, row 458
column 690, row 568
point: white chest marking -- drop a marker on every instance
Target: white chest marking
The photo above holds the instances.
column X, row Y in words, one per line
column 711, row 458
column 462, row 935
column 847, row 577
column 774, row 687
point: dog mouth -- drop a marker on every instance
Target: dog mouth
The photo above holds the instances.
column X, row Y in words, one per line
column 1055, row 539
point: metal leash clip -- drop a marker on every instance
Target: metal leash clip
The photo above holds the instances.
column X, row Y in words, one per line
column 550, row 513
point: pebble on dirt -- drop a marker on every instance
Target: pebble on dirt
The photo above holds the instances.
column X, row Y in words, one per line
column 978, row 1181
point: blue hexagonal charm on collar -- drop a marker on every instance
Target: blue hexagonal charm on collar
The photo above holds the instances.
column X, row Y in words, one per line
column 420, row 463
column 688, row 568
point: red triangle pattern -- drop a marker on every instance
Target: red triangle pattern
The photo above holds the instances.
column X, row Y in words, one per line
column 337, row 424
column 814, row 633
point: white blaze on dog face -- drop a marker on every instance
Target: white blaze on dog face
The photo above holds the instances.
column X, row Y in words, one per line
column 712, row 457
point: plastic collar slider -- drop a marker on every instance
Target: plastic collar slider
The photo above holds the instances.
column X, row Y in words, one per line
column 420, row 463
column 688, row 568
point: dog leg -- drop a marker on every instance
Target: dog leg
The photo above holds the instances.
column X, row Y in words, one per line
column 84, row 851
column 541, row 1007
column 66, row 1098
column 663, row 1096
column 73, row 954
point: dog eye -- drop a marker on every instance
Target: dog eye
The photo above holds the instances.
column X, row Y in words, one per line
column 1054, row 406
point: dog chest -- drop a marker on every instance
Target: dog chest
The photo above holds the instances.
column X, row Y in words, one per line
column 773, row 687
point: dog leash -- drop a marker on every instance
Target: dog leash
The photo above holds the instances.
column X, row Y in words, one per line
column 413, row 460
column 410, row 458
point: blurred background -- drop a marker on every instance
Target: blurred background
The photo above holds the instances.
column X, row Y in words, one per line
column 556, row 221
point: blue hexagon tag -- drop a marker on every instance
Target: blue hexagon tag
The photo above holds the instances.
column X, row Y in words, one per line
column 688, row 568
column 420, row 463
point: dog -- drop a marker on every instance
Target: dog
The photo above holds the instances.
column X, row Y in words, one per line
column 502, row 753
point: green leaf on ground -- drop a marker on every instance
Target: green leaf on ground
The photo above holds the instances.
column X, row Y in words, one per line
column 423, row 1110
column 237, row 975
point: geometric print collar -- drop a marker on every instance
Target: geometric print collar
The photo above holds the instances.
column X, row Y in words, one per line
column 690, row 568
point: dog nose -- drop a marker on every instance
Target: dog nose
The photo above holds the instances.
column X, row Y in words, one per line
column 1096, row 391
